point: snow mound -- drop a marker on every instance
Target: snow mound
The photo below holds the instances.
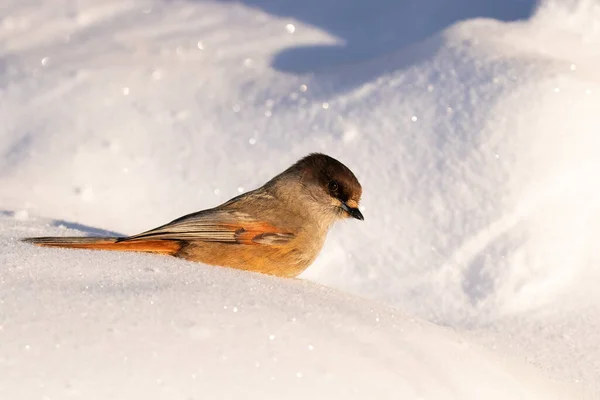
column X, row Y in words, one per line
column 472, row 126
column 98, row 325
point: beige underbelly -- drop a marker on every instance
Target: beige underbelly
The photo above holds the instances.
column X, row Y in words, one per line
column 285, row 261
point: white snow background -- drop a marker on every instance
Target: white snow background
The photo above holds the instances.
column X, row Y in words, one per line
column 473, row 125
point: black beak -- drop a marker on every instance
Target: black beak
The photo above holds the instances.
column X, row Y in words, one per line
column 354, row 212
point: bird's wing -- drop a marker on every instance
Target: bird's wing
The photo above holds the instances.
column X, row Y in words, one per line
column 218, row 225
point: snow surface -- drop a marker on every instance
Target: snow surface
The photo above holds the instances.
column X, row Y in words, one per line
column 113, row 325
column 472, row 125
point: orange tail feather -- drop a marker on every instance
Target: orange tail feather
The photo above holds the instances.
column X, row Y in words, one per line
column 168, row 247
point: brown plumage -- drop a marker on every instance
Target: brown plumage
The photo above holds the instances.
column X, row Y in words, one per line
column 277, row 229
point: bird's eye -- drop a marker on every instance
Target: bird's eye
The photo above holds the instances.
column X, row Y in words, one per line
column 333, row 186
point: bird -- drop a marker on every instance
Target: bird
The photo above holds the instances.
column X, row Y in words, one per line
column 277, row 229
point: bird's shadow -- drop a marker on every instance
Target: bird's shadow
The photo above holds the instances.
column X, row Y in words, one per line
column 367, row 29
column 88, row 230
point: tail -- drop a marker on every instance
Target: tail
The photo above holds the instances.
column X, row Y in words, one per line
column 168, row 247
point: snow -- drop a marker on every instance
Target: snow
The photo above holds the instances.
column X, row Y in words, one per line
column 471, row 125
column 112, row 325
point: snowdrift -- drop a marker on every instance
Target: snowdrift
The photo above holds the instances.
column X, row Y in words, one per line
column 473, row 128
column 99, row 325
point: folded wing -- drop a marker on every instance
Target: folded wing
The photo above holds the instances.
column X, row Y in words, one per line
column 218, row 225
